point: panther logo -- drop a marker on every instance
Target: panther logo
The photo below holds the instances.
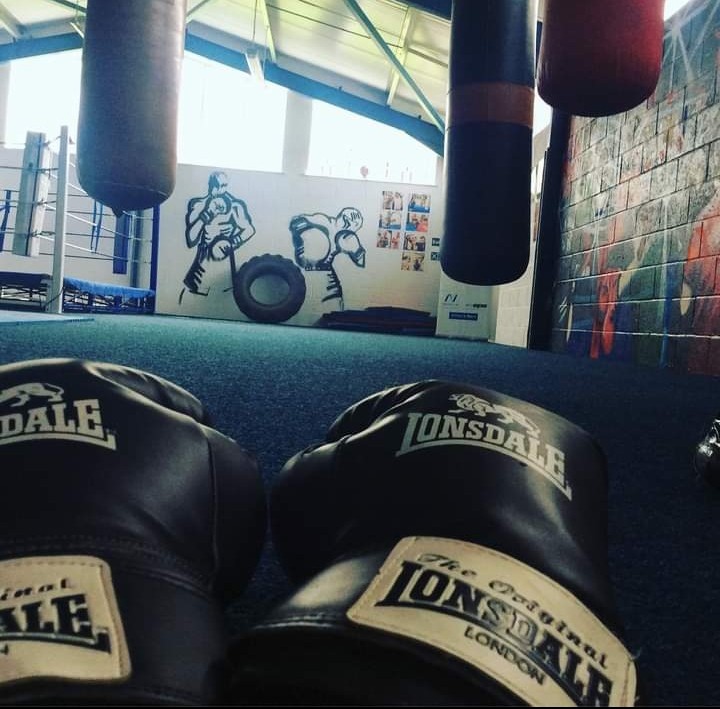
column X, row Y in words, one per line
column 22, row 393
column 482, row 407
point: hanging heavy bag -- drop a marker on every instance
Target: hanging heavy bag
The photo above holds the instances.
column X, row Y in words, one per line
column 600, row 57
column 127, row 127
column 488, row 142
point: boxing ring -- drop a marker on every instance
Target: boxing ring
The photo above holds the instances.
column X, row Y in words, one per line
column 58, row 250
column 78, row 295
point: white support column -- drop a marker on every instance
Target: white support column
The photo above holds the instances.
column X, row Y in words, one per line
column 58, row 274
column 298, row 122
column 4, row 92
column 32, row 196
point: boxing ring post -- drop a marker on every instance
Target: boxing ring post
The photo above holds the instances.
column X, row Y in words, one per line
column 52, row 290
column 58, row 272
column 32, row 195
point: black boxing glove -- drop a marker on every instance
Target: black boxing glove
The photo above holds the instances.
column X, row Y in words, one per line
column 450, row 547
column 128, row 521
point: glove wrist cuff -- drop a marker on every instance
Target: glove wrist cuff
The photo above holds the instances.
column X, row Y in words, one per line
column 125, row 626
column 464, row 610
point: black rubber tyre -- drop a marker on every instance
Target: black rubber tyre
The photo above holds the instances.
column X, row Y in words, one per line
column 269, row 265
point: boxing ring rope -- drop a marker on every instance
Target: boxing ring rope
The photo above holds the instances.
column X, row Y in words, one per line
column 57, row 285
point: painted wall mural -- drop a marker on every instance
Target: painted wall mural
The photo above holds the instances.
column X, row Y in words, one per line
column 217, row 224
column 267, row 287
column 286, row 248
column 639, row 273
column 318, row 239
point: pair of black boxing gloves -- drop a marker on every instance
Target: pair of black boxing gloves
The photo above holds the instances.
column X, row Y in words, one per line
column 447, row 546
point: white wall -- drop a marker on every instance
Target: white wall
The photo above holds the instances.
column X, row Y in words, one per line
column 272, row 201
column 513, row 300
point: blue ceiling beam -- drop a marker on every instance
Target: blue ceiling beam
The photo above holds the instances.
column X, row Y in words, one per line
column 443, row 8
column 424, row 132
column 396, row 63
column 40, row 45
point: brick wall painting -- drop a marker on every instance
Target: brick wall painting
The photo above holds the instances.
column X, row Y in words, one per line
column 639, row 274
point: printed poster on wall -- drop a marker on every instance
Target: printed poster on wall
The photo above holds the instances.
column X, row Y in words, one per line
column 403, row 225
column 416, row 226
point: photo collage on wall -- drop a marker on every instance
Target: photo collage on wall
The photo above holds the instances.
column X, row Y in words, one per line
column 403, row 226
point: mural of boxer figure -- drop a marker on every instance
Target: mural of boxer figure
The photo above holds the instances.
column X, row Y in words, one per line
column 318, row 238
column 216, row 225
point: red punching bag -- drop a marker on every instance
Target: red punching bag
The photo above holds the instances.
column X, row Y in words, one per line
column 130, row 84
column 600, row 57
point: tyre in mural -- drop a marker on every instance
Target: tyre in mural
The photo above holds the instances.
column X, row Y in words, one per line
column 269, row 288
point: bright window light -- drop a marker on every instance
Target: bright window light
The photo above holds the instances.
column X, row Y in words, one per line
column 228, row 119
column 542, row 114
column 344, row 144
column 672, row 6
column 43, row 95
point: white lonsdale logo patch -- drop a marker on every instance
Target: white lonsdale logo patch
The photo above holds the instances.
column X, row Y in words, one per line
column 37, row 410
column 492, row 426
column 59, row 620
column 508, row 620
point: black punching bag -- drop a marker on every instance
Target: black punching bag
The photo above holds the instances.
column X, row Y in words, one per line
column 127, row 128
column 488, row 141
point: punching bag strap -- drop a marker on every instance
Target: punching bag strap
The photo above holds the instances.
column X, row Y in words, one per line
column 498, row 102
